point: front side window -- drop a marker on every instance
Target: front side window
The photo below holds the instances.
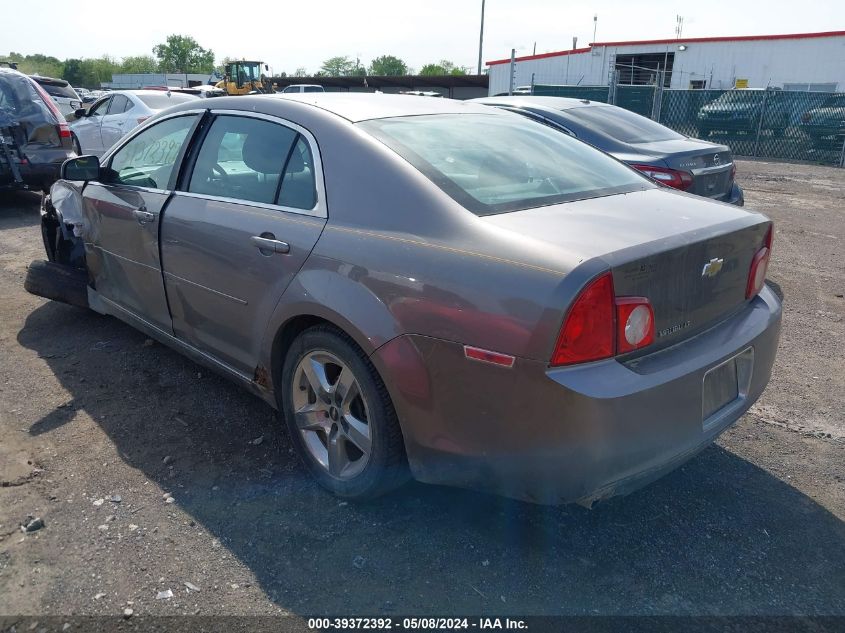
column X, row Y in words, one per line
column 255, row 160
column 494, row 163
column 149, row 159
column 100, row 108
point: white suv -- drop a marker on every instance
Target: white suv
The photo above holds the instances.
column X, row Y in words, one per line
column 303, row 88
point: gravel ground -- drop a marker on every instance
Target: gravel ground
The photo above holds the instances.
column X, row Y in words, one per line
column 151, row 474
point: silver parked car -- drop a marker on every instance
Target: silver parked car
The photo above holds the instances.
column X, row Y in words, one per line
column 118, row 113
column 427, row 286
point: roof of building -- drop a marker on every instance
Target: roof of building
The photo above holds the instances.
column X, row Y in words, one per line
column 393, row 81
column 681, row 40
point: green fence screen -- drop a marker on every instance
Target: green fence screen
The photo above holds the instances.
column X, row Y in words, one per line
column 790, row 125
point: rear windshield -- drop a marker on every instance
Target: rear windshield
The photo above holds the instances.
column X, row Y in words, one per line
column 621, row 124
column 494, row 163
column 56, row 89
column 165, row 100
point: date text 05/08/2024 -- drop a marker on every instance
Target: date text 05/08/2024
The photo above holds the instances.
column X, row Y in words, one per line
column 417, row 623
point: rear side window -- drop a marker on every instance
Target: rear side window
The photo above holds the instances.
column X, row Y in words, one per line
column 255, row 160
column 149, row 159
column 313, row 89
column 494, row 163
column 119, row 104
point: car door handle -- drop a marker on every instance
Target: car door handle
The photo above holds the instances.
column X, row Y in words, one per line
column 143, row 216
column 269, row 245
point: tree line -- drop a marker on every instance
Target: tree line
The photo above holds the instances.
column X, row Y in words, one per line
column 183, row 54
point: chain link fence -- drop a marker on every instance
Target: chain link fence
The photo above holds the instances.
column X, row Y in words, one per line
column 780, row 124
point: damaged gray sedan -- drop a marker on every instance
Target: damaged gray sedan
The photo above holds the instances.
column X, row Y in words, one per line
column 426, row 287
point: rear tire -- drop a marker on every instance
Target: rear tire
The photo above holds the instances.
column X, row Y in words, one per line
column 327, row 430
column 57, row 282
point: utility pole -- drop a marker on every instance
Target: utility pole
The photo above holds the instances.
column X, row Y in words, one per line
column 481, row 38
column 595, row 26
column 512, row 71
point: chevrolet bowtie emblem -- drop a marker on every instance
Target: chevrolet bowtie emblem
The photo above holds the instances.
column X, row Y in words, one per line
column 713, row 267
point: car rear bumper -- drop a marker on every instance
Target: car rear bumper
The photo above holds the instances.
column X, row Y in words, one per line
column 581, row 433
column 37, row 172
column 735, row 196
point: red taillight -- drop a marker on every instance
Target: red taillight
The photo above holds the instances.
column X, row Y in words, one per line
column 588, row 329
column 600, row 325
column 759, row 266
column 634, row 324
column 64, row 130
column 670, row 177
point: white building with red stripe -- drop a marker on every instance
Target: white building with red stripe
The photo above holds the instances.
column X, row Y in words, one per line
column 802, row 61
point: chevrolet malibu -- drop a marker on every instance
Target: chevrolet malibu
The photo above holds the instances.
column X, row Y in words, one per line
column 426, row 287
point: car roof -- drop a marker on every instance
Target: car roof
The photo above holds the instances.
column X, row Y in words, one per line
column 551, row 103
column 364, row 106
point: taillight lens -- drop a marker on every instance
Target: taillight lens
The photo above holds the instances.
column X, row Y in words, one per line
column 635, row 324
column 588, row 329
column 759, row 266
column 670, row 177
column 600, row 325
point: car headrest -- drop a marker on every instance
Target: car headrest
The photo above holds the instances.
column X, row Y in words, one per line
column 262, row 154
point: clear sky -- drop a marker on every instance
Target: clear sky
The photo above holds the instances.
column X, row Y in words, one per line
column 289, row 34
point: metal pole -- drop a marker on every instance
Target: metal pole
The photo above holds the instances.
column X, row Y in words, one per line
column 481, row 37
column 513, row 70
column 760, row 122
column 842, row 155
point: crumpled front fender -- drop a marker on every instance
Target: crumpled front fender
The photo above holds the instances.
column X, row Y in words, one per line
column 66, row 200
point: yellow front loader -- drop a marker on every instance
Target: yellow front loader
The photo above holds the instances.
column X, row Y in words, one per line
column 243, row 78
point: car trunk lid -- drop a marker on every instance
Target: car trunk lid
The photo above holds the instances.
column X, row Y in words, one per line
column 711, row 165
column 688, row 256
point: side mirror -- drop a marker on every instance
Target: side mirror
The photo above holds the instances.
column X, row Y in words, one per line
column 79, row 113
column 83, row 168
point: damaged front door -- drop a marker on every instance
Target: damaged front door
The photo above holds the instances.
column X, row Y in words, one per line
column 123, row 214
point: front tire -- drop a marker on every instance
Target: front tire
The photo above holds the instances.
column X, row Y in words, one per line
column 58, row 282
column 340, row 416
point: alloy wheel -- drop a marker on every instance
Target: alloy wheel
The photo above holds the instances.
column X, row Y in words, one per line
column 331, row 414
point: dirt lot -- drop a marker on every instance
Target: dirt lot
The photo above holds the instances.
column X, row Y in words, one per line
column 88, row 409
